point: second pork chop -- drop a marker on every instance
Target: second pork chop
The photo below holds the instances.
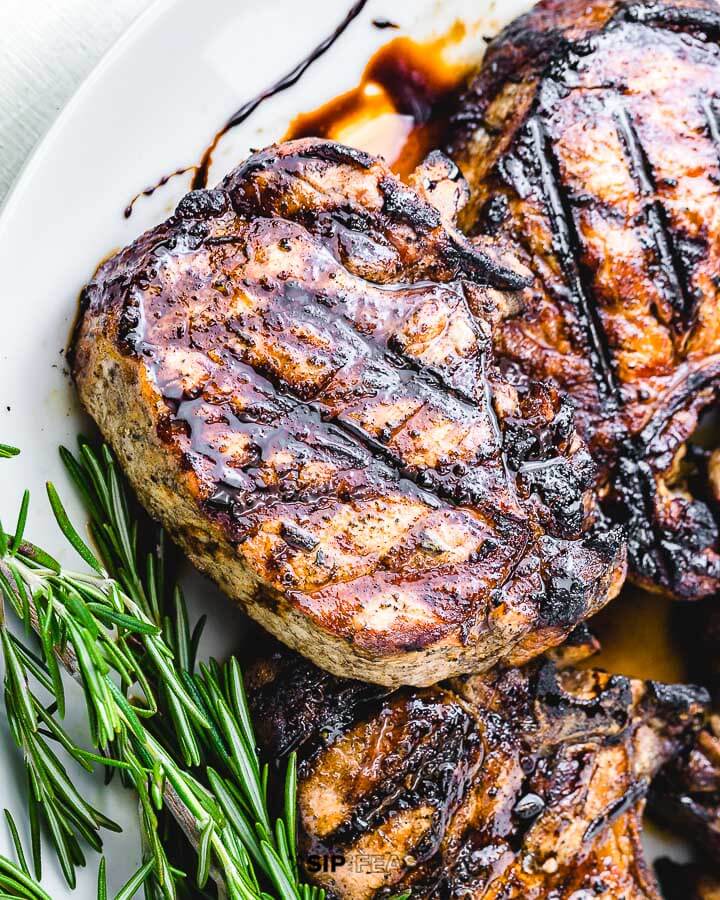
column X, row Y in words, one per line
column 591, row 137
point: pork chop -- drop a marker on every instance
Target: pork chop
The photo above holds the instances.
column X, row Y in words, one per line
column 296, row 373
column 518, row 785
column 591, row 140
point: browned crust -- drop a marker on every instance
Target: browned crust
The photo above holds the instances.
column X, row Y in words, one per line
column 447, row 631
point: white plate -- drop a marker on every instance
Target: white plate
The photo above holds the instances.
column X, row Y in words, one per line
column 151, row 107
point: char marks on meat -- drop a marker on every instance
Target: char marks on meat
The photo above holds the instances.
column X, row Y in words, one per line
column 296, row 372
column 591, row 139
column 520, row 785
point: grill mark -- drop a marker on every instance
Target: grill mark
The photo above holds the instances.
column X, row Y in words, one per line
column 425, row 376
column 568, row 247
column 412, row 373
column 696, row 383
column 436, row 770
column 639, row 479
column 330, row 428
column 331, row 306
column 669, row 259
column 429, row 377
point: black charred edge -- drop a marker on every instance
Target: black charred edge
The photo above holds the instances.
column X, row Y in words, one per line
column 84, row 301
column 403, row 204
column 610, row 710
column 203, row 204
column 608, row 540
column 446, row 750
column 282, row 154
column 301, row 702
column 679, row 699
column 333, row 152
column 703, row 22
column 568, row 248
column 568, row 593
column 479, row 266
column 669, row 259
column 400, row 203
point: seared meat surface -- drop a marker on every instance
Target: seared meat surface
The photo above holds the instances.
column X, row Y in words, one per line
column 591, row 139
column 296, row 373
column 687, row 795
column 528, row 783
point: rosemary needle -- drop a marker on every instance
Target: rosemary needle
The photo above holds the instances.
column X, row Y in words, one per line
column 181, row 737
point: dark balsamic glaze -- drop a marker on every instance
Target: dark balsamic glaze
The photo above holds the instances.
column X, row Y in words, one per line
column 149, row 191
column 401, row 107
column 384, row 23
column 202, row 169
column 200, row 178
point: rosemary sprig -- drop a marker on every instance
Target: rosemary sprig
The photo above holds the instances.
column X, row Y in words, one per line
column 52, row 795
column 15, row 879
column 18, row 884
column 236, row 779
column 150, row 713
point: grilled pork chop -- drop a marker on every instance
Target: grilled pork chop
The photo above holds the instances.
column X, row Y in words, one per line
column 591, row 138
column 525, row 784
column 296, row 373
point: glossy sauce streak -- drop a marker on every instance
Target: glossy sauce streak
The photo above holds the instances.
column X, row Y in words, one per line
column 149, row 191
column 400, row 108
column 200, row 178
column 202, row 169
